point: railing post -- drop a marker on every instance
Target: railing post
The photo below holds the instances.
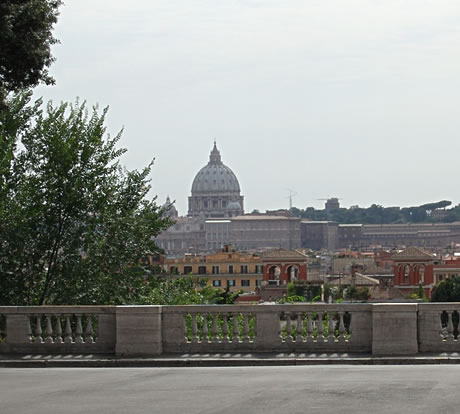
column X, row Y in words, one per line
column 394, row 329
column 138, row 330
column 17, row 331
column 174, row 330
column 268, row 331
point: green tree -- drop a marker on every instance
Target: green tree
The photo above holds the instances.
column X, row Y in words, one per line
column 75, row 225
column 25, row 43
column 447, row 291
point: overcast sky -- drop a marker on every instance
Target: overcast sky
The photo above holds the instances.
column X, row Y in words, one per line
column 357, row 99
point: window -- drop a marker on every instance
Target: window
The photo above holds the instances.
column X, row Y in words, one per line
column 174, row 270
column 187, row 269
column 258, row 282
column 259, row 269
column 230, row 283
column 216, row 283
column 244, row 269
column 201, row 270
column 230, row 269
column 215, row 270
column 245, row 282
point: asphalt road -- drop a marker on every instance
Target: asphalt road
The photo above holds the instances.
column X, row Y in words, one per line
column 302, row 389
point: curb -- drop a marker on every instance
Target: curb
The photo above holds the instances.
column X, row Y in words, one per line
column 220, row 362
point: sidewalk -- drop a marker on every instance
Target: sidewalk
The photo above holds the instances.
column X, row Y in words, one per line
column 219, row 360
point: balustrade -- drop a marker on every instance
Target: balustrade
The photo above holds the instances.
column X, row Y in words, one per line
column 213, row 327
column 315, row 327
column 48, row 328
column 265, row 328
column 58, row 329
column 380, row 329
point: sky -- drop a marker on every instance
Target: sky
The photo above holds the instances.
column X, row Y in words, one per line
column 355, row 99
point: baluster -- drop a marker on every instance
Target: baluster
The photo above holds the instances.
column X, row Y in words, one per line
column 450, row 327
column 225, row 337
column 341, row 327
column 38, row 330
column 29, row 330
column 185, row 328
column 246, row 328
column 299, row 327
column 289, row 337
column 215, row 329
column 320, row 327
column 78, row 331
column 205, row 331
column 236, row 329
column 194, row 329
column 58, row 330
column 68, row 330
column 89, row 330
column 442, row 331
column 49, row 330
column 331, row 328
column 350, row 326
column 310, row 327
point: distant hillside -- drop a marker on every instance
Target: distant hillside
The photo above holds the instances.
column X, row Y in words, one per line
column 376, row 214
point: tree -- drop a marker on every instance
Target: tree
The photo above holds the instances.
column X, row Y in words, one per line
column 75, row 225
column 447, row 291
column 25, row 43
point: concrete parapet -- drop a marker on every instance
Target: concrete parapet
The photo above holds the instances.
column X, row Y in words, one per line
column 139, row 331
column 394, row 329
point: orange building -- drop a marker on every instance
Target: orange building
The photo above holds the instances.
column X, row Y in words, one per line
column 241, row 271
column 227, row 268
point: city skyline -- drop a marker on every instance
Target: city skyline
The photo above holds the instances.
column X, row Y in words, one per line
column 356, row 101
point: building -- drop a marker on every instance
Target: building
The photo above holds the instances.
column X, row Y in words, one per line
column 266, row 231
column 226, row 268
column 215, row 198
column 268, row 273
column 218, row 233
column 332, row 204
column 318, row 235
column 329, row 235
column 215, row 190
column 187, row 234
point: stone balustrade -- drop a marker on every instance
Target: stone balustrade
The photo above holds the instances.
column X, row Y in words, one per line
column 57, row 329
column 377, row 329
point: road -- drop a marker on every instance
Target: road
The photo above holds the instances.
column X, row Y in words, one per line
column 233, row 390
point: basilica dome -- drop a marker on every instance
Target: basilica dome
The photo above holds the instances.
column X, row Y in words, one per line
column 215, row 186
column 215, row 177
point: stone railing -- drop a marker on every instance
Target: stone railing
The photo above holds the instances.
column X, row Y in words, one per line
column 377, row 329
column 268, row 328
column 57, row 329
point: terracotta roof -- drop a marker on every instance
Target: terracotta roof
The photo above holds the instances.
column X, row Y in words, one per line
column 282, row 253
column 413, row 253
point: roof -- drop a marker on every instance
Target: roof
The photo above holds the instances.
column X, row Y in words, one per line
column 263, row 217
column 318, row 222
column 412, row 253
column 215, row 177
column 284, row 254
column 359, row 280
